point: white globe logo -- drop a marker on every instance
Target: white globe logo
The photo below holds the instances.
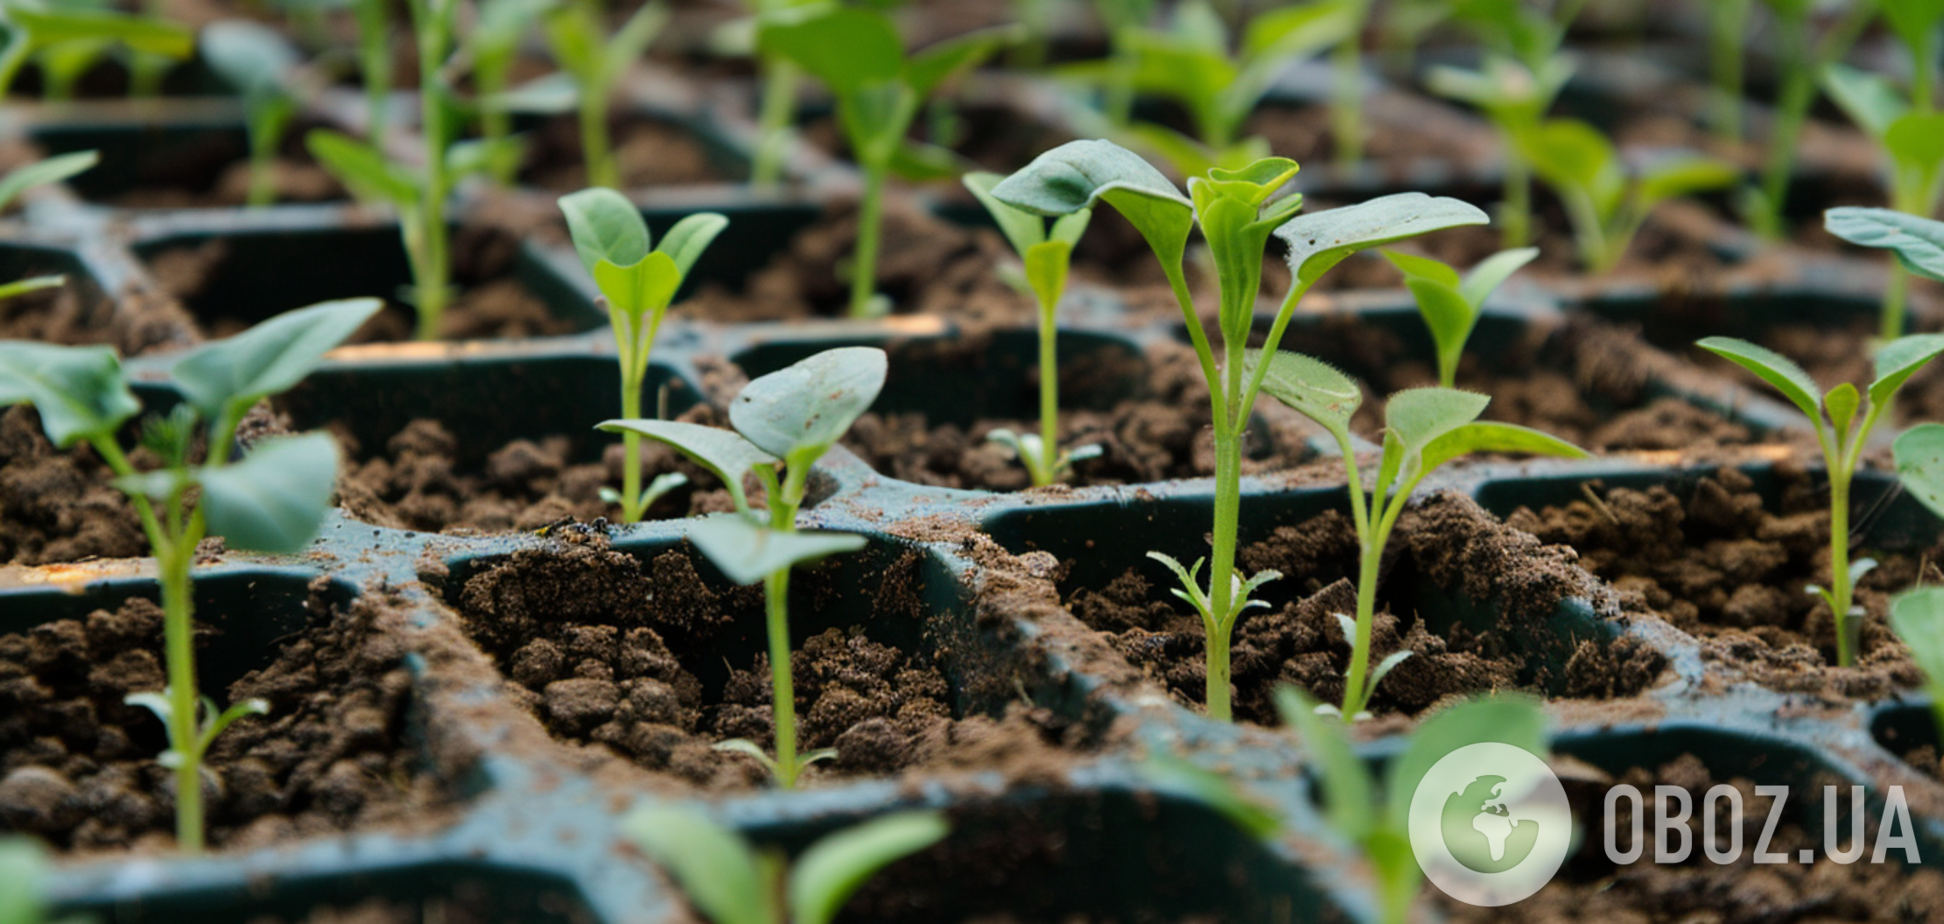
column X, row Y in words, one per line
column 1490, row 824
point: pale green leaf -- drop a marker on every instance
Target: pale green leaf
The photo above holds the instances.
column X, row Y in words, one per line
column 1900, row 359
column 222, row 379
column 802, row 410
column 1046, row 270
column 726, row 455
column 21, row 287
column 41, row 172
column 715, row 868
column 23, row 873
column 361, row 168
column 251, row 56
column 944, row 60
column 1349, row 794
column 154, row 36
column 276, row 497
column 631, row 41
column 1842, row 402
column 1491, row 272
column 846, row 48
column 605, row 226
column 1450, row 318
column 1217, row 791
column 1917, row 616
column 1494, row 437
column 79, row 390
column 1570, row 154
column 690, row 237
column 1506, row 718
column 1077, row 174
column 1917, row 242
column 746, row 552
column 1771, row 367
column 833, row 867
column 1920, row 466
column 1425, row 268
column 1022, row 229
column 643, row 288
column 1310, row 387
column 1869, row 100
column 1420, row 415
column 1320, row 240
column 1684, row 175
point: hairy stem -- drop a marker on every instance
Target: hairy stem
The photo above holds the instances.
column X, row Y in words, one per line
column 779, row 109
column 1372, row 556
column 870, row 218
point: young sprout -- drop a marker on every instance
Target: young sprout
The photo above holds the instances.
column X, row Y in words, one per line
column 1236, row 215
column 68, row 41
column 1515, row 99
column 1046, row 253
column 730, row 882
column 1842, row 419
column 637, row 283
column 1346, row 106
column 254, row 58
column 1799, row 64
column 776, row 114
column 271, row 500
column 493, row 44
column 1917, row 616
column 40, row 173
column 1450, row 304
column 1727, row 21
column 596, row 62
column 374, row 64
column 790, row 417
column 1124, row 20
column 1605, row 204
column 1376, row 820
column 857, row 53
column 1423, row 429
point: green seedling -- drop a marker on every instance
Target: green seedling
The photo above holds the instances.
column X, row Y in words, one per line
column 40, row 173
column 1190, row 63
column 1124, row 21
column 1843, row 420
column 1606, row 200
column 254, row 58
column 1727, row 22
column 67, row 39
column 730, row 882
column 857, row 53
column 1424, row 428
column 23, row 868
column 493, row 45
column 776, row 113
column 1515, row 99
column 790, row 418
column 271, row 500
column 1451, row 303
column 1917, row 616
column 1374, row 819
column 1799, row 58
column 637, row 283
column 374, row 64
column 1236, row 215
column 596, row 62
column 1047, row 253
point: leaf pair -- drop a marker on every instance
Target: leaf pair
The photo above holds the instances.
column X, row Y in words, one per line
column 1914, row 140
column 1450, row 303
column 613, row 242
column 1047, row 252
column 730, row 883
column 1607, row 202
column 1896, row 362
column 37, row 29
column 576, row 35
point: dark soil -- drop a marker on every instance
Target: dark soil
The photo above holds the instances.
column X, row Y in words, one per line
column 58, row 505
column 297, row 179
column 649, row 661
column 77, row 765
column 1591, row 888
column 649, row 152
column 1712, row 559
column 1446, row 542
column 138, row 322
column 993, row 137
column 1398, row 136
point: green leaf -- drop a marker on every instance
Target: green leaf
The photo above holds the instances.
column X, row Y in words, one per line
column 630, row 42
column 1869, row 100
column 1424, row 268
column 1773, row 368
column 1913, row 20
column 1506, row 718
column 713, row 866
column 1917, row 616
column 1490, row 436
column 1920, row 466
column 726, row 455
column 1215, row 790
column 944, row 60
column 1684, row 175
column 79, row 390
column 1077, row 174
column 918, row 161
column 746, row 552
column 1917, row 242
column 1022, row 229
column 1310, row 387
column 23, row 870
column 833, row 867
column 251, row 56
column 21, row 287
column 1068, row 228
column 1916, row 142
column 1420, row 415
column 1299, row 29
column 1570, row 154
column 1900, row 359
column 1842, row 402
column 1491, row 272
column 1320, row 240
column 1251, row 184
column 686, row 242
column 222, row 379
column 138, row 33
column 1349, row 793
column 844, row 47
column 1449, row 316
column 276, row 497
column 51, row 170
column 645, row 287
column 1046, row 270
column 573, row 38
column 800, row 411
column 362, row 168
column 605, row 226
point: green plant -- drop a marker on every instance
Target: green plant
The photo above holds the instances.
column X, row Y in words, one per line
column 40, row 173
column 637, row 282
column 1727, row 24
column 857, row 53
column 254, row 58
column 1917, row 616
column 1123, row 20
column 1800, row 59
column 23, row 865
column 730, row 882
column 1843, row 437
column 1424, row 428
column 1236, row 215
column 493, row 44
column 1046, row 254
column 1606, row 200
column 374, row 64
column 596, row 62
column 1450, row 303
column 68, row 39
column 790, row 417
column 271, row 500
column 1515, row 99
column 1376, row 820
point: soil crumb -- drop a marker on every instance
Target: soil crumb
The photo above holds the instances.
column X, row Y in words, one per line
column 646, row 151
column 58, row 505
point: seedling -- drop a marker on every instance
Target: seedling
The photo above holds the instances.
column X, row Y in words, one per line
column 374, row 64
column 1124, row 21
column 1376, row 820
column 637, row 284
column 1799, row 60
column 67, row 41
column 272, row 500
column 1606, row 200
column 1727, row 21
column 40, row 173
column 1424, row 428
column 730, row 882
column 776, row 116
column 1237, row 217
column 790, row 417
column 1917, row 616
column 1450, row 304
column 1047, row 254
column 1190, row 63
column 857, row 53
column 1515, row 99
column 255, row 58
column 596, row 62
column 493, row 44
column 1843, row 436
column 23, row 867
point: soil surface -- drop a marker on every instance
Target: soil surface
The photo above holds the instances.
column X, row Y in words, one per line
column 58, row 505
column 1711, row 558
column 136, row 323
column 648, row 152
column 1592, row 888
column 296, row 179
column 1446, row 542
column 649, row 661
column 78, row 768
